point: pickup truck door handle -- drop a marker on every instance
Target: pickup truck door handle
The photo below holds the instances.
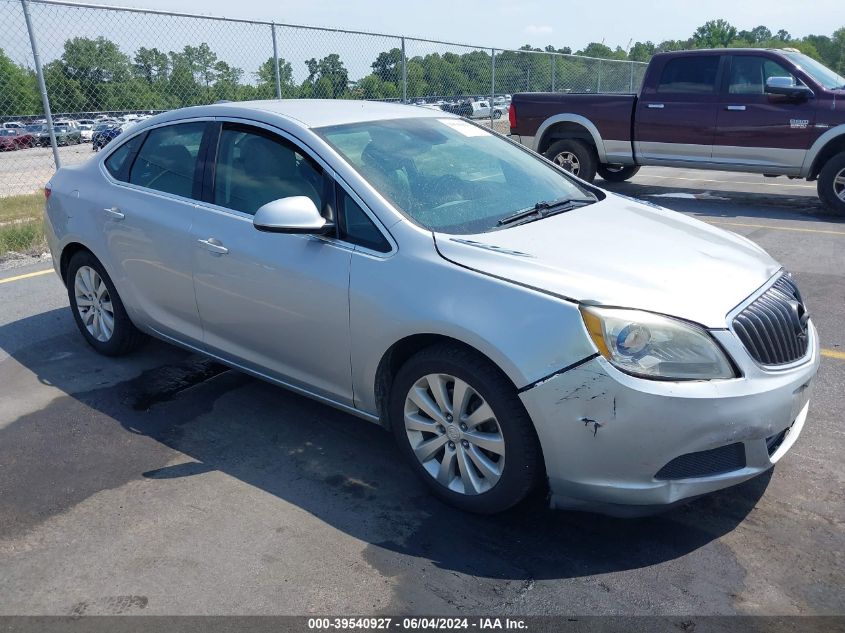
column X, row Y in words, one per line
column 114, row 213
column 656, row 106
column 214, row 245
column 735, row 108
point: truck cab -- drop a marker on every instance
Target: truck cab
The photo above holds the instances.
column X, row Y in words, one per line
column 767, row 111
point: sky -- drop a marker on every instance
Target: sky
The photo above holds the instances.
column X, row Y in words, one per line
column 512, row 23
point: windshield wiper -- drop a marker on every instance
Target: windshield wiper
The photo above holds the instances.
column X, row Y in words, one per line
column 545, row 208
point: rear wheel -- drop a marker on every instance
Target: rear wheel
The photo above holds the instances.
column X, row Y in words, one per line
column 461, row 426
column 97, row 308
column 617, row 173
column 831, row 185
column 576, row 157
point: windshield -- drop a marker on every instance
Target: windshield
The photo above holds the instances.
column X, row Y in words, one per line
column 447, row 174
column 821, row 73
column 34, row 128
column 7, row 132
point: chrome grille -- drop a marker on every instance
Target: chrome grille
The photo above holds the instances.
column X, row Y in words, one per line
column 773, row 327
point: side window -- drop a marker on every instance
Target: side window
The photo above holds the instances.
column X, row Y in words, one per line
column 749, row 74
column 694, row 74
column 356, row 227
column 253, row 168
column 117, row 163
column 168, row 159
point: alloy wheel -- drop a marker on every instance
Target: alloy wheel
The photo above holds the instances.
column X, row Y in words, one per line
column 839, row 185
column 569, row 162
column 454, row 434
column 93, row 303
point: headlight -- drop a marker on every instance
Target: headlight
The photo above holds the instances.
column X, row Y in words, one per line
column 654, row 346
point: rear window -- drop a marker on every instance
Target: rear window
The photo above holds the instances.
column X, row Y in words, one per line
column 168, row 159
column 694, row 74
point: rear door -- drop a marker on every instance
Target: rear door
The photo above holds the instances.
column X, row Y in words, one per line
column 275, row 303
column 675, row 119
column 759, row 131
column 146, row 214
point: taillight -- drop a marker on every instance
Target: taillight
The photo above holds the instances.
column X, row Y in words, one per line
column 47, row 191
column 512, row 116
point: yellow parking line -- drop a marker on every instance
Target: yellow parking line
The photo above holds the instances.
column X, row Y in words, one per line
column 776, row 228
column 26, row 276
column 832, row 353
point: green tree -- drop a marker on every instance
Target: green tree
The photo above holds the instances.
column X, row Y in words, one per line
column 388, row 65
column 18, row 93
column 714, row 34
column 327, row 78
column 150, row 64
column 267, row 78
column 757, row 35
column 641, row 51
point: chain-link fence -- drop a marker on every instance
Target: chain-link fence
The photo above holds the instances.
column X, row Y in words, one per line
column 104, row 68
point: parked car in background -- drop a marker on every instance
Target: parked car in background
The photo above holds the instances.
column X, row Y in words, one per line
column 482, row 110
column 13, row 125
column 508, row 322
column 772, row 112
column 86, row 131
column 65, row 135
column 103, row 133
column 15, row 138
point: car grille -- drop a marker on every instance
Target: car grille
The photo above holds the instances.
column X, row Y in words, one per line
column 773, row 327
column 705, row 463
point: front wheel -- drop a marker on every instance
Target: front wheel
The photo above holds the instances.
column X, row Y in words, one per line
column 97, row 308
column 461, row 426
column 831, row 185
column 576, row 157
column 617, row 173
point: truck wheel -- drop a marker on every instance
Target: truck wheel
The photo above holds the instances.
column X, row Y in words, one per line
column 831, row 184
column 617, row 173
column 461, row 426
column 576, row 157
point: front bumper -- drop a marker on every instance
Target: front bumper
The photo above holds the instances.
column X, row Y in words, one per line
column 605, row 434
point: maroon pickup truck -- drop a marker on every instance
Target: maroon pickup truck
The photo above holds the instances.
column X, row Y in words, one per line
column 772, row 112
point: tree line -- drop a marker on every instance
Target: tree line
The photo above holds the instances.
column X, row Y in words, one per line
column 95, row 75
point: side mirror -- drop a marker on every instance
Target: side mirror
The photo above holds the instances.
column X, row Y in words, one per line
column 787, row 87
column 296, row 214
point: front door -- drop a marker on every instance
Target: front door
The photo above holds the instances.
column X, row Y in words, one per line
column 676, row 118
column 759, row 130
column 277, row 304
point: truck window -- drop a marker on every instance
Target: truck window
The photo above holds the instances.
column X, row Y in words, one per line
column 749, row 74
column 690, row 74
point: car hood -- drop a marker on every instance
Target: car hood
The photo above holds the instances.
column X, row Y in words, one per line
column 623, row 253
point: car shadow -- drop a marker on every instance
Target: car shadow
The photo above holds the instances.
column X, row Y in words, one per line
column 184, row 416
column 727, row 204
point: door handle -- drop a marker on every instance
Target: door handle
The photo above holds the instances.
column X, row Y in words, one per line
column 115, row 213
column 656, row 106
column 214, row 245
column 735, row 108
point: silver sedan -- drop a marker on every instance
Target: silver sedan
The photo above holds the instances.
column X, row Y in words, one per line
column 512, row 325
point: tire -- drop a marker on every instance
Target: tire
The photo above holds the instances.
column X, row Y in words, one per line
column 576, row 157
column 509, row 430
column 497, row 114
column 831, row 185
column 124, row 336
column 617, row 173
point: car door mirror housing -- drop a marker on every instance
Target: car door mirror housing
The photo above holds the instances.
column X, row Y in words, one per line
column 787, row 87
column 296, row 214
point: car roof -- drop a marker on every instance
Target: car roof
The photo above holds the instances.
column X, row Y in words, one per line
column 312, row 113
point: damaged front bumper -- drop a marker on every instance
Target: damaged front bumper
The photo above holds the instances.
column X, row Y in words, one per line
column 622, row 445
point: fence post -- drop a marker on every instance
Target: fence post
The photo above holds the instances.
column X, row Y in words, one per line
column 598, row 84
column 631, row 88
column 404, row 73
column 42, row 86
column 492, row 82
column 276, row 62
column 554, row 69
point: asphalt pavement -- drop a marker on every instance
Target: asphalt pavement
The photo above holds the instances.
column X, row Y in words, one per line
column 161, row 483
